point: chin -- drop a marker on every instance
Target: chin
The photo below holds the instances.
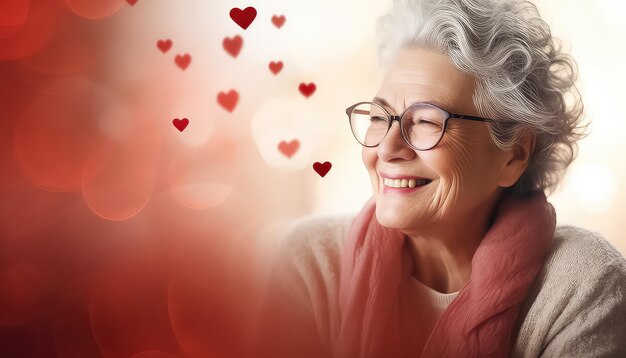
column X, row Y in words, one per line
column 391, row 215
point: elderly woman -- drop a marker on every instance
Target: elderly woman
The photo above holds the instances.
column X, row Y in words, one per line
column 457, row 253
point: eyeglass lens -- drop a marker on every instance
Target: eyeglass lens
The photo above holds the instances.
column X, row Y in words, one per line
column 423, row 124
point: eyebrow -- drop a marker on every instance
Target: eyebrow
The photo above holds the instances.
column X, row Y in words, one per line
column 383, row 102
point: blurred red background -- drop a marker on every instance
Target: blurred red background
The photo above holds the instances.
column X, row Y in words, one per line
column 106, row 247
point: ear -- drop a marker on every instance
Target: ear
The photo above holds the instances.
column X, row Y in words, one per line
column 516, row 159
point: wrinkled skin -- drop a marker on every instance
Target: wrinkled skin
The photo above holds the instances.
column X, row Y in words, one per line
column 447, row 218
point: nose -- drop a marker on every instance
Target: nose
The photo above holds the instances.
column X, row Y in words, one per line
column 393, row 146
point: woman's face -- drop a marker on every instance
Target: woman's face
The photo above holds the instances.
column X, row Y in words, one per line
column 464, row 166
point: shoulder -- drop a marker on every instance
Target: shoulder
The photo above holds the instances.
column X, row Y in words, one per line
column 582, row 263
column 307, row 270
column 585, row 250
column 317, row 234
column 581, row 256
column 309, row 253
column 301, row 295
column 579, row 296
column 584, row 266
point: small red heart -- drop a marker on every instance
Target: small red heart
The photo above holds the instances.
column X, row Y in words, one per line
column 322, row 169
column 131, row 2
column 278, row 21
column 180, row 124
column 183, row 61
column 243, row 17
column 228, row 100
column 275, row 67
column 233, row 45
column 164, row 45
column 289, row 148
column 307, row 90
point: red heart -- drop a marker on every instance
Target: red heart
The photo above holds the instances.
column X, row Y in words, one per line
column 278, row 21
column 322, row 169
column 183, row 61
column 289, row 148
column 164, row 45
column 228, row 101
column 233, row 45
column 243, row 17
column 307, row 90
column 180, row 124
column 275, row 67
column 131, row 2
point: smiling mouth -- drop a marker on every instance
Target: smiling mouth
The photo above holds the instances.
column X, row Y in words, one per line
column 404, row 183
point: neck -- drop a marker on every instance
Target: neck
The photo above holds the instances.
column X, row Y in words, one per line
column 442, row 255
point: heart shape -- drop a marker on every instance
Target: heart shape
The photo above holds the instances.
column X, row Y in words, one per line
column 244, row 17
column 183, row 61
column 289, row 148
column 278, row 21
column 164, row 45
column 131, row 2
column 233, row 45
column 228, row 100
column 180, row 124
column 275, row 67
column 307, row 90
column 322, row 168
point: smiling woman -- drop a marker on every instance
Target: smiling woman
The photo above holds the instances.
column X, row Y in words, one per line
column 457, row 253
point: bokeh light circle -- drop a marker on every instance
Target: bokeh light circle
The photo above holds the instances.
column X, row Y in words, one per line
column 53, row 139
column 275, row 121
column 119, row 181
column 52, row 84
column 203, row 178
column 128, row 303
column 595, row 186
column 95, row 9
column 70, row 52
column 301, row 34
column 13, row 12
column 40, row 26
column 210, row 300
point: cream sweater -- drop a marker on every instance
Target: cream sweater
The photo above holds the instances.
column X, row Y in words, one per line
column 575, row 308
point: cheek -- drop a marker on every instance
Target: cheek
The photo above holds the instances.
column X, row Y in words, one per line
column 464, row 148
column 471, row 162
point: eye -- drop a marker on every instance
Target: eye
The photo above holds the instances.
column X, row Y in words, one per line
column 427, row 122
column 377, row 119
column 426, row 117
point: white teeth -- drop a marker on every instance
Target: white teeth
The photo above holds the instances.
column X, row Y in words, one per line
column 404, row 183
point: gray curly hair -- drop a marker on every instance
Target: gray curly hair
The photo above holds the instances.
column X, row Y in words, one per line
column 522, row 77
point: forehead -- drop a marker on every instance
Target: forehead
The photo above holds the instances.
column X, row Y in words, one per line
column 425, row 75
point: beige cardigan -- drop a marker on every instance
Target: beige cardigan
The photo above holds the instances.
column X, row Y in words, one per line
column 575, row 308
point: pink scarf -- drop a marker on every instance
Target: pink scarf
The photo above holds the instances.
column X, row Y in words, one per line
column 378, row 314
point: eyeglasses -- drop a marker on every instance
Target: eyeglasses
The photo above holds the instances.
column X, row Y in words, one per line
column 422, row 124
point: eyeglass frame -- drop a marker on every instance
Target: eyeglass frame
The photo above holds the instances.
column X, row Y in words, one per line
column 392, row 117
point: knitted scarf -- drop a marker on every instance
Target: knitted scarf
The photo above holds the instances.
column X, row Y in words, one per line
column 378, row 313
